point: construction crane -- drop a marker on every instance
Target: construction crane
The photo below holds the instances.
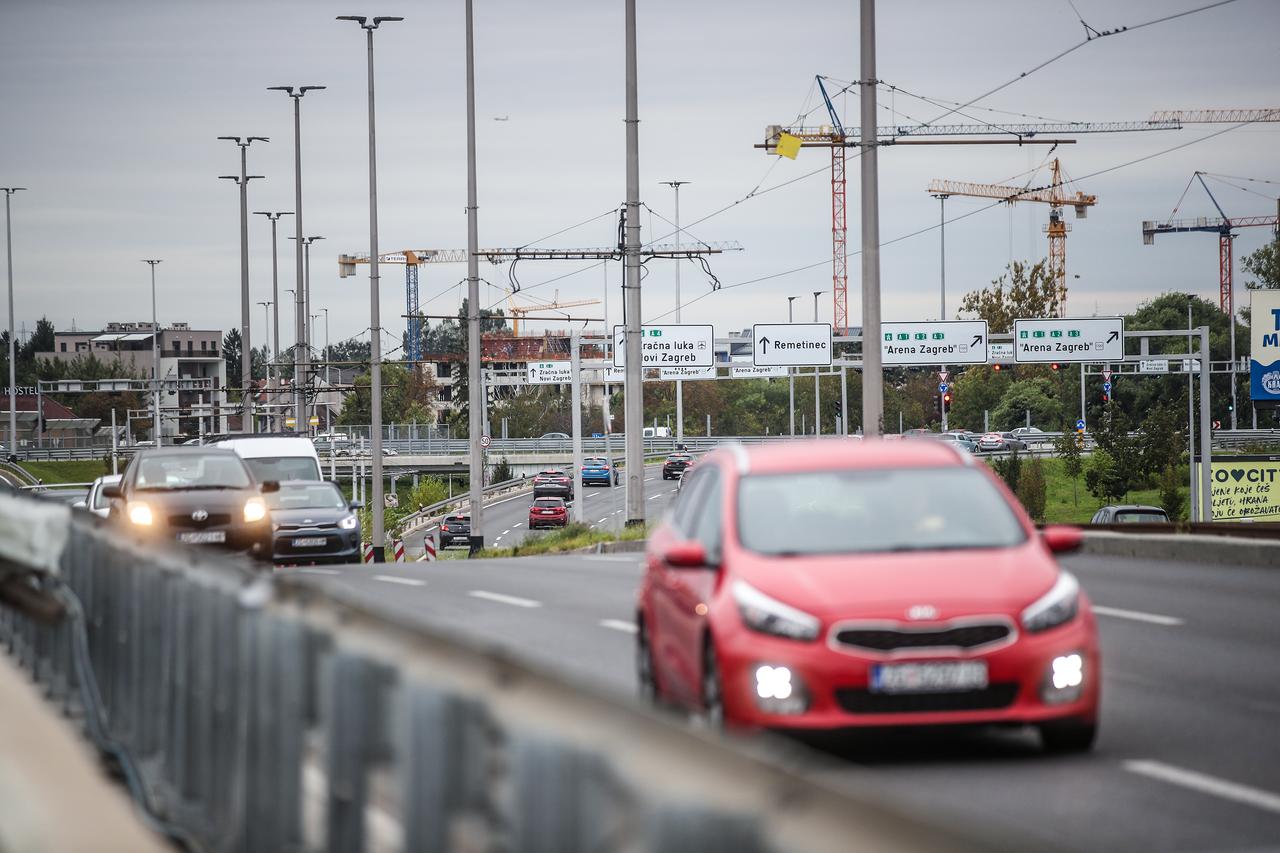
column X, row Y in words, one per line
column 837, row 137
column 519, row 311
column 1216, row 116
column 1223, row 226
column 1055, row 195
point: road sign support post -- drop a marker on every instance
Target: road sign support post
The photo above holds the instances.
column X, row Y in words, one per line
column 1206, row 438
column 575, row 395
column 844, row 400
column 679, row 410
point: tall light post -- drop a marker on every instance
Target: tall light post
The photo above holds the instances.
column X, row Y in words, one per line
column 477, row 399
column 327, row 426
column 305, row 302
column 297, row 93
column 155, row 355
column 791, row 374
column 633, row 387
column 872, row 363
column 675, row 185
column 13, row 374
column 817, row 402
column 942, row 278
column 246, row 354
column 375, row 321
column 266, row 321
column 275, row 299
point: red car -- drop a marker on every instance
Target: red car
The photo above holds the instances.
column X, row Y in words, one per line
column 548, row 512
column 823, row 586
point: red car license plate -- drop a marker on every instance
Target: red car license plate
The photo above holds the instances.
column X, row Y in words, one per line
column 939, row 677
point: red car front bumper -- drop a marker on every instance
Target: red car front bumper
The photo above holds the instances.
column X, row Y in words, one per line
column 836, row 682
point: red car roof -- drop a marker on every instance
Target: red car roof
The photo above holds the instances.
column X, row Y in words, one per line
column 828, row 454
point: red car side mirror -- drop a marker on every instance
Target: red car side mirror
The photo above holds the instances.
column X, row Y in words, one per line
column 1061, row 538
column 686, row 555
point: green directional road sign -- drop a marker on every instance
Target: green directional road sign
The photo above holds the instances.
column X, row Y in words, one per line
column 1064, row 339
column 934, row 343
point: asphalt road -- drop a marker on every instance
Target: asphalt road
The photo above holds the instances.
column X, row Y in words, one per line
column 506, row 521
column 1188, row 757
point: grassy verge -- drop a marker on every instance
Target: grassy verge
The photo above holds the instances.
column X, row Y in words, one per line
column 568, row 538
column 1063, row 505
column 73, row 471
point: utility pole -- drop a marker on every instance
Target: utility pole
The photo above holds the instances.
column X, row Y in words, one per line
column 942, row 276
column 303, row 420
column 375, row 319
column 275, row 300
column 634, row 404
column 266, row 322
column 791, row 371
column 675, row 185
column 246, row 348
column 299, row 293
column 476, row 396
column 155, row 355
column 872, row 367
column 13, row 376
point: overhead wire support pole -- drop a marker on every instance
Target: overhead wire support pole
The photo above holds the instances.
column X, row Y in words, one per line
column 633, row 389
column 13, row 382
column 155, row 354
column 274, row 381
column 872, row 370
column 475, row 386
column 246, row 347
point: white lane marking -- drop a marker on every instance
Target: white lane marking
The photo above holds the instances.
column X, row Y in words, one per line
column 618, row 625
column 1206, row 784
column 505, row 532
column 403, row 581
column 517, row 524
column 1137, row 616
column 318, row 571
column 602, row 520
column 654, row 497
column 504, row 599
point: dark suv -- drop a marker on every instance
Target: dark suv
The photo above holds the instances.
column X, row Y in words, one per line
column 553, row 484
column 676, row 465
column 455, row 530
column 196, row 496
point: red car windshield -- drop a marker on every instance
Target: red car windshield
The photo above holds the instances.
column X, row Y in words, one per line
column 867, row 511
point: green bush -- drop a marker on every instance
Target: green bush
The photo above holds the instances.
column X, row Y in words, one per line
column 1172, row 498
column 1032, row 490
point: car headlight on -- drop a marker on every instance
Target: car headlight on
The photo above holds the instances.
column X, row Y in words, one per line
column 779, row 691
column 254, row 510
column 140, row 513
column 349, row 523
column 770, row 616
column 1056, row 606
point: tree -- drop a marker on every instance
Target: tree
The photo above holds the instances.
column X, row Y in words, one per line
column 41, row 340
column 1172, row 499
column 1032, row 489
column 1066, row 449
column 1028, row 395
column 1160, row 440
column 231, row 355
column 406, row 396
column 1103, row 479
column 1030, row 293
column 502, row 471
column 1009, row 469
column 1265, row 264
column 976, row 390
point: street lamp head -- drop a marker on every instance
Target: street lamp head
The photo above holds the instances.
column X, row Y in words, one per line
column 377, row 21
column 359, row 19
column 234, row 139
column 12, row 190
column 235, row 178
column 304, row 89
column 151, row 261
column 253, row 139
column 287, row 89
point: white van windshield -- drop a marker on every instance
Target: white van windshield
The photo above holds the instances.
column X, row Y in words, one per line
column 281, row 468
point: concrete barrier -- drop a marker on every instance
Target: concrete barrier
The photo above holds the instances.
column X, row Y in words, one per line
column 1185, row 547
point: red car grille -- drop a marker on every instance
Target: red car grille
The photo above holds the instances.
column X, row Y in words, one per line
column 857, row 700
column 889, row 640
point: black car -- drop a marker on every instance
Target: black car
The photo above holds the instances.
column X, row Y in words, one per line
column 312, row 522
column 554, row 484
column 455, row 530
column 194, row 495
column 1130, row 514
column 676, row 465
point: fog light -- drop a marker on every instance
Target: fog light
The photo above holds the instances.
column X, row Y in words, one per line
column 777, row 691
column 1065, row 680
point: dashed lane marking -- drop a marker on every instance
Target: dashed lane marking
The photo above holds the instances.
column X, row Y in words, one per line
column 1138, row 616
column 319, row 571
column 618, row 625
column 504, row 599
column 401, row 581
column 1206, row 784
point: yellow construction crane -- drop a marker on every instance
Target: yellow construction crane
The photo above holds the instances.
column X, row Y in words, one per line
column 518, row 311
column 1055, row 195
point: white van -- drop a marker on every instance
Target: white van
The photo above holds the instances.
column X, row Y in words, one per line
column 656, row 432
column 276, row 457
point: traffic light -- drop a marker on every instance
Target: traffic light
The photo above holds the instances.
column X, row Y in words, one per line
column 996, row 368
column 1106, row 398
column 946, row 399
column 1054, row 365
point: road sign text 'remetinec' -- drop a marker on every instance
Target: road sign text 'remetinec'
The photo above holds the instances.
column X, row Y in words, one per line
column 934, row 342
column 1056, row 340
column 668, row 346
column 791, row 344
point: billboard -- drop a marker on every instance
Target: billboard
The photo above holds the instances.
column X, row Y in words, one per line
column 1264, row 349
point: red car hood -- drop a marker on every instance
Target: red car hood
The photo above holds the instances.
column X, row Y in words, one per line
column 884, row 586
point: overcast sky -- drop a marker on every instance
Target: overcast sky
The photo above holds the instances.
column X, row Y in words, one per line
column 111, row 111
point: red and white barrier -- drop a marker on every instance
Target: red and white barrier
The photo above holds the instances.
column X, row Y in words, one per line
column 397, row 546
column 428, row 549
column 368, row 552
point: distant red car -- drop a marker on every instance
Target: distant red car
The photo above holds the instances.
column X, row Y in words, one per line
column 825, row 586
column 548, row 512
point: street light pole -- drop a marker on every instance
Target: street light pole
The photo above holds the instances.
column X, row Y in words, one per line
column 633, row 389
column 375, row 320
column 246, row 349
column 275, row 300
column 791, row 374
column 817, row 391
column 13, row 375
column 942, row 277
column 297, row 93
column 155, row 355
column 872, row 363
column 675, row 185
column 266, row 322
column 327, row 381
column 305, row 301
column 477, row 399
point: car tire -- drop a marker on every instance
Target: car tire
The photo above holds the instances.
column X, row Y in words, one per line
column 646, row 680
column 712, row 688
column 1068, row 736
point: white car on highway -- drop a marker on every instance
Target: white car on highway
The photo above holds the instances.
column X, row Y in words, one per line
column 95, row 502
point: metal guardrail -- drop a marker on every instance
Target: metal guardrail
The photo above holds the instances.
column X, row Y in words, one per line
column 258, row 713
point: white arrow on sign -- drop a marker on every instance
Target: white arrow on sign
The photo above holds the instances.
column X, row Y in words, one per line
column 1054, row 340
column 549, row 373
column 791, row 344
column 944, row 342
column 668, row 346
